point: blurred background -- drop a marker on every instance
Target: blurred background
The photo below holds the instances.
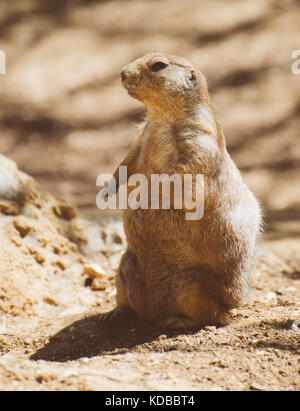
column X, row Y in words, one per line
column 65, row 118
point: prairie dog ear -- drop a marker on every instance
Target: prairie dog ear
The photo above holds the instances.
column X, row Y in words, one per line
column 192, row 75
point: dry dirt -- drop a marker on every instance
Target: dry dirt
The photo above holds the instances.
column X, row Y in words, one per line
column 65, row 118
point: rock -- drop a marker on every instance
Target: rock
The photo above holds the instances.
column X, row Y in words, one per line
column 42, row 257
column 94, row 270
column 210, row 328
column 9, row 179
column 9, row 207
column 65, row 211
column 98, row 284
column 296, row 326
column 23, row 225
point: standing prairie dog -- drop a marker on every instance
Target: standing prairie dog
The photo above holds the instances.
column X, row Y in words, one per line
column 178, row 273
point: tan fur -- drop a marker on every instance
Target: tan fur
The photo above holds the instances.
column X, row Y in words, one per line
column 180, row 273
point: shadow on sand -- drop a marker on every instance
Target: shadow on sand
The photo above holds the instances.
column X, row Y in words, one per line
column 119, row 331
column 108, row 333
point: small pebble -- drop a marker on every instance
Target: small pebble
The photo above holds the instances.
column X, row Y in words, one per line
column 70, row 373
column 94, row 270
column 210, row 328
column 296, row 326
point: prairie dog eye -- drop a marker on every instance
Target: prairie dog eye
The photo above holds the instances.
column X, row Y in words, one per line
column 159, row 65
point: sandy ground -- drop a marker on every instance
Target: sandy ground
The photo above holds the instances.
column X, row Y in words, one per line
column 259, row 350
column 65, row 118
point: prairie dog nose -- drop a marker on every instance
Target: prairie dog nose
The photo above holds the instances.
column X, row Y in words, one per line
column 123, row 73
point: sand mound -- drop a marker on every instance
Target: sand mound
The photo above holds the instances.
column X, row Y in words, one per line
column 46, row 251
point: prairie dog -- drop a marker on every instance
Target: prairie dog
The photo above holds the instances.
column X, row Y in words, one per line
column 178, row 273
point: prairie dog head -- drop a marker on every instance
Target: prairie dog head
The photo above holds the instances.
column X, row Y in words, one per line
column 166, row 84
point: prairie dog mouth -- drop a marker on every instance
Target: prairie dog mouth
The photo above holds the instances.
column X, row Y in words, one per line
column 131, row 88
column 132, row 93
